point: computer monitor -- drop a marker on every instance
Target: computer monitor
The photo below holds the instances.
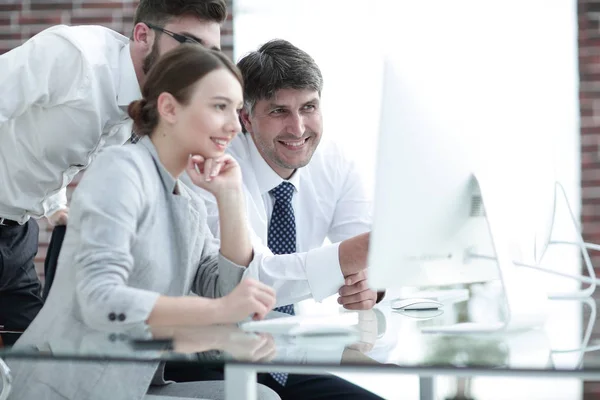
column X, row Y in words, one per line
column 453, row 181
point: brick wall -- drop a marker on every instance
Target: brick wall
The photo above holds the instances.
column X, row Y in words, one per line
column 21, row 19
column 589, row 96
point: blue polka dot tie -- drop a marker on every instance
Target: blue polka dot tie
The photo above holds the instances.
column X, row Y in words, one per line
column 282, row 239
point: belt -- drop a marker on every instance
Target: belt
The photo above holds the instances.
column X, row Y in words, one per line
column 8, row 222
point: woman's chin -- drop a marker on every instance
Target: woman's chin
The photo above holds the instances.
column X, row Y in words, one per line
column 214, row 154
column 209, row 154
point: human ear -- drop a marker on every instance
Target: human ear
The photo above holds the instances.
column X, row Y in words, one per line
column 167, row 106
column 245, row 118
column 143, row 37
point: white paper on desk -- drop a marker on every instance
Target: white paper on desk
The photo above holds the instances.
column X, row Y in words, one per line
column 338, row 324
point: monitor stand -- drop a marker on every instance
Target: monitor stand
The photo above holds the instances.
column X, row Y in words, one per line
column 560, row 193
column 526, row 303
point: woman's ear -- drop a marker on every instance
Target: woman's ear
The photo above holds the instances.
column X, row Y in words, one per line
column 245, row 118
column 167, row 107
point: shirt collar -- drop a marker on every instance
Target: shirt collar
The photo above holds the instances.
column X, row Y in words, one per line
column 168, row 180
column 129, row 88
column 265, row 176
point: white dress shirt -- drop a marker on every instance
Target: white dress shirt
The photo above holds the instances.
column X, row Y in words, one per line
column 64, row 97
column 329, row 202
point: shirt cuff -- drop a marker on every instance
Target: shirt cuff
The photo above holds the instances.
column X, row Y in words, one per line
column 323, row 271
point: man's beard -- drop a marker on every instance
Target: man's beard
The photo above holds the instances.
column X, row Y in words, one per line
column 151, row 58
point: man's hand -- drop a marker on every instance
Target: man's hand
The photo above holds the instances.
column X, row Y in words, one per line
column 355, row 294
column 353, row 254
column 60, row 217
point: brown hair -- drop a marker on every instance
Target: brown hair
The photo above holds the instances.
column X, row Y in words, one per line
column 160, row 12
column 176, row 73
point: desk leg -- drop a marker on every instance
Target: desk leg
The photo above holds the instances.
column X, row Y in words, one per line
column 240, row 382
column 426, row 388
column 6, row 380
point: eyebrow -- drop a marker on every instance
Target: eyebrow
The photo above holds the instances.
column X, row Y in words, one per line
column 311, row 101
column 197, row 39
column 223, row 98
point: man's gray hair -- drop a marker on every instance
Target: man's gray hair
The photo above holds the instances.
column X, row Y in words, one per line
column 276, row 65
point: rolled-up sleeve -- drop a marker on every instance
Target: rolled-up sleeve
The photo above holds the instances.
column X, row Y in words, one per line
column 107, row 226
column 217, row 276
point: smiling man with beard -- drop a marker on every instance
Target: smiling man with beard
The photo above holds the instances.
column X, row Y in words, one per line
column 66, row 92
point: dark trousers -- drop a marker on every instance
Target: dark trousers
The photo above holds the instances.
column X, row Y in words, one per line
column 298, row 387
column 56, row 241
column 20, row 288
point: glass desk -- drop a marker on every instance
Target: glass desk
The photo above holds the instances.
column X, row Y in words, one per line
column 386, row 342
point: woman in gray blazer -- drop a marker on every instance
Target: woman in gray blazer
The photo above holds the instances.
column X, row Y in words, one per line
column 137, row 241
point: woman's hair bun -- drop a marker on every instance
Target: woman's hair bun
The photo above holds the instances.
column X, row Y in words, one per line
column 135, row 111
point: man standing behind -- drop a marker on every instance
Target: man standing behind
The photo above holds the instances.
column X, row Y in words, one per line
column 66, row 95
column 299, row 192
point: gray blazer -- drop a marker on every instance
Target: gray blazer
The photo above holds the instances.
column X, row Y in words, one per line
column 129, row 239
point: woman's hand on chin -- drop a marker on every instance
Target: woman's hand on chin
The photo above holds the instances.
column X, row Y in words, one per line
column 217, row 175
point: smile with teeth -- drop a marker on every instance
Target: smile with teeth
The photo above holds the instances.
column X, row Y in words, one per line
column 219, row 141
column 294, row 143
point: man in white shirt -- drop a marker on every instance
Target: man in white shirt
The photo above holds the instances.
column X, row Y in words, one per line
column 282, row 122
column 66, row 93
column 299, row 191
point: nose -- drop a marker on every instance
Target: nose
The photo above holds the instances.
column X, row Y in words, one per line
column 234, row 126
column 295, row 124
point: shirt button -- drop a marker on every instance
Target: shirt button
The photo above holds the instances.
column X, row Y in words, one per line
column 121, row 317
column 112, row 316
